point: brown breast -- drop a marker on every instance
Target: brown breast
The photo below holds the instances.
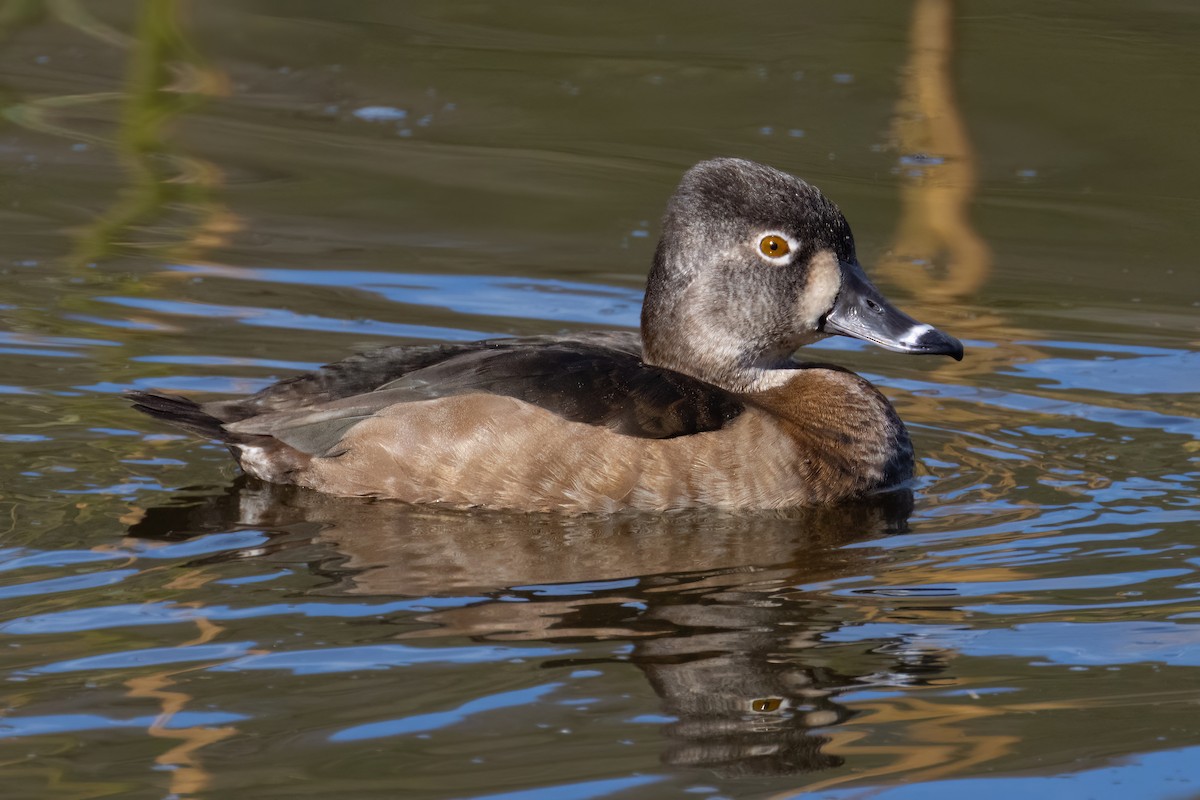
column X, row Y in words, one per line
column 852, row 439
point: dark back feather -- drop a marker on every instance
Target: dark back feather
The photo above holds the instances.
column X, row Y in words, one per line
column 367, row 372
column 595, row 378
column 582, row 382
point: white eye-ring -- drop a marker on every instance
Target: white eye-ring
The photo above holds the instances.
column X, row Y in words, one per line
column 775, row 247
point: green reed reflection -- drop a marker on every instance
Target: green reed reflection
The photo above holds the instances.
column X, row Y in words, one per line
column 169, row 204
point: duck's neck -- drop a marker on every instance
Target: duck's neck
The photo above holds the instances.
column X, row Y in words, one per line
column 705, row 355
column 680, row 331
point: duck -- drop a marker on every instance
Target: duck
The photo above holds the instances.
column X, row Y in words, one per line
column 706, row 407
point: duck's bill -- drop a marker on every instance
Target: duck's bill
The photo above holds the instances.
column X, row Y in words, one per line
column 862, row 312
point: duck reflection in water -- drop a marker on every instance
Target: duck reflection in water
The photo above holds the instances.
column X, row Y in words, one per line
column 708, row 601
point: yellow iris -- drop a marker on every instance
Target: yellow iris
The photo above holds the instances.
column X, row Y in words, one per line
column 774, row 246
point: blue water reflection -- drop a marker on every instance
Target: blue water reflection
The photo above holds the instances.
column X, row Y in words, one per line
column 484, row 295
column 420, row 723
column 1162, row 776
column 116, row 616
column 1114, row 368
column 75, row 723
column 1087, row 644
column 376, row 657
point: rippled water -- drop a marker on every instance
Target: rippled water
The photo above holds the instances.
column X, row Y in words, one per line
column 207, row 198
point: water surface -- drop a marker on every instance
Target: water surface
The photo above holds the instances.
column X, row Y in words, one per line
column 207, row 197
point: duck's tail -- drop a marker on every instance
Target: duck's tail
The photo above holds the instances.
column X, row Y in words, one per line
column 182, row 413
column 263, row 456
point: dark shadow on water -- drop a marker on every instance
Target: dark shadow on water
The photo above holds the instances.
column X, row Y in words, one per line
column 707, row 601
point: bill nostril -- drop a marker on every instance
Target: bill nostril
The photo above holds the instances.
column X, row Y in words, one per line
column 871, row 304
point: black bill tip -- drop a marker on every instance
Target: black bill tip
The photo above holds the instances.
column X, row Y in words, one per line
column 927, row 339
column 862, row 312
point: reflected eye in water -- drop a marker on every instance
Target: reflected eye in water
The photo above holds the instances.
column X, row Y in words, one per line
column 774, row 246
column 765, row 705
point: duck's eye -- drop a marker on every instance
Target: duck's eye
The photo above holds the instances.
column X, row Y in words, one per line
column 774, row 246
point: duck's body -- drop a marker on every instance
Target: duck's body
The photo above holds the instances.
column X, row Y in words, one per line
column 705, row 409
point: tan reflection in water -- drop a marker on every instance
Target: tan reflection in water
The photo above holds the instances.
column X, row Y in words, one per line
column 935, row 197
column 188, row 775
column 935, row 228
column 940, row 747
column 936, row 744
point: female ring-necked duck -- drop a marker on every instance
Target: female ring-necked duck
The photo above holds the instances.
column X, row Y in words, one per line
column 707, row 408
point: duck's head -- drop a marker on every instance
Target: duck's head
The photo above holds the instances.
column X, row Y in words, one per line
column 754, row 263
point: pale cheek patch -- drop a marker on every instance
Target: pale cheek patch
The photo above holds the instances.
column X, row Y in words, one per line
column 824, row 283
column 914, row 335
